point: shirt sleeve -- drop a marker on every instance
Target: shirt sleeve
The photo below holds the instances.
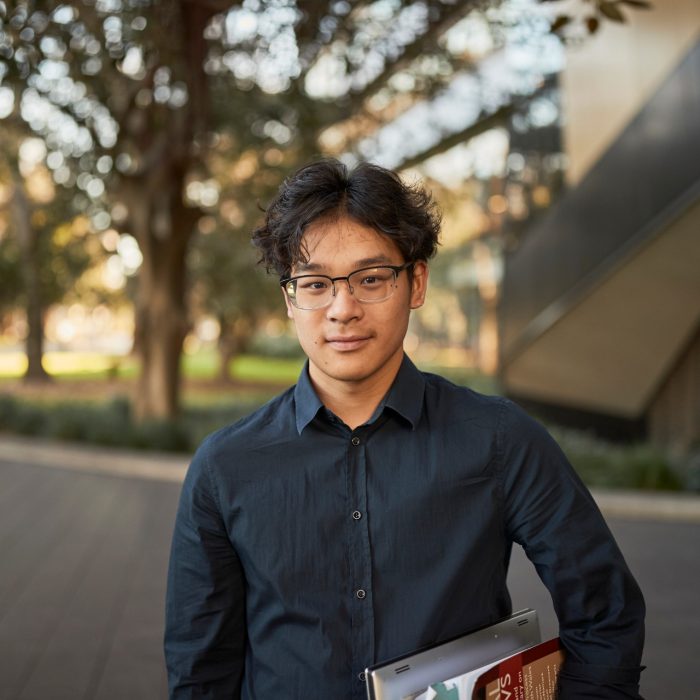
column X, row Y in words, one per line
column 205, row 601
column 599, row 605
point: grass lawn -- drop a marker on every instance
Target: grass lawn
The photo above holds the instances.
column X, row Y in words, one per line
column 70, row 366
column 80, row 373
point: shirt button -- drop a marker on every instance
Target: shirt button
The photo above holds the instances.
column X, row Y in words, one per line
column 355, row 441
column 361, row 593
column 356, row 514
column 362, row 676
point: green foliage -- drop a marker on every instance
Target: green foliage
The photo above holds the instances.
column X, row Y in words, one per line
column 691, row 469
column 20, row 417
column 284, row 369
column 610, row 10
column 229, row 285
column 112, row 424
column 603, row 465
column 284, row 347
column 10, row 274
column 61, row 256
column 280, row 365
column 464, row 376
column 273, row 368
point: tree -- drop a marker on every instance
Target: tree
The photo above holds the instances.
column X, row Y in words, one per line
column 43, row 252
column 232, row 289
column 129, row 85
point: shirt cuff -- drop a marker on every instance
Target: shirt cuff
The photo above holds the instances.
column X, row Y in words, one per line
column 593, row 682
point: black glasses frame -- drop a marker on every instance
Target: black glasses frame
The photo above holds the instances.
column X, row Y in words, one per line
column 396, row 269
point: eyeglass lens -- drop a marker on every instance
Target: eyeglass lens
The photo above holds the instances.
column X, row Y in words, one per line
column 370, row 285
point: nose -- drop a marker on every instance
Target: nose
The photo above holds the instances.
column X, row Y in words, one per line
column 344, row 306
column 337, row 285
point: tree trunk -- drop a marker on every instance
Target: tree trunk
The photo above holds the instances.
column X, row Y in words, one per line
column 163, row 226
column 163, row 330
column 227, row 351
column 158, row 218
column 226, row 354
column 234, row 339
column 34, row 307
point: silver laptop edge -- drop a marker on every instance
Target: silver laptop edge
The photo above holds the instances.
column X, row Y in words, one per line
column 411, row 673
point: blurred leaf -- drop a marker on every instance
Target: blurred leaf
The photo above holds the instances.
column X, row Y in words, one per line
column 612, row 11
column 559, row 23
column 593, row 24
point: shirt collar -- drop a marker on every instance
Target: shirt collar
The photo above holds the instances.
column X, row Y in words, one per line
column 405, row 396
column 406, row 393
column 306, row 401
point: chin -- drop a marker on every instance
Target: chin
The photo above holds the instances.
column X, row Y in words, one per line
column 351, row 366
column 357, row 373
column 347, row 366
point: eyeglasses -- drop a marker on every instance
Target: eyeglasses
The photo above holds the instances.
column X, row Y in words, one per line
column 368, row 285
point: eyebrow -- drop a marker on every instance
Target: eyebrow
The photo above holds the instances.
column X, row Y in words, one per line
column 359, row 264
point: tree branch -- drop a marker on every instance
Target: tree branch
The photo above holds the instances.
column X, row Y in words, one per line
column 308, row 32
column 483, row 124
column 445, row 17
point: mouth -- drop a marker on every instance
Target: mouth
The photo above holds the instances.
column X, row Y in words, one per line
column 346, row 343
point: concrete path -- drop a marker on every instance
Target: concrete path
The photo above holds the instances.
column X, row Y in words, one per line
column 83, row 561
column 84, row 538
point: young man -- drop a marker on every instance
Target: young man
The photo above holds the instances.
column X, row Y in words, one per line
column 371, row 509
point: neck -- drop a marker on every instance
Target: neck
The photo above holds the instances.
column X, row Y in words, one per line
column 354, row 402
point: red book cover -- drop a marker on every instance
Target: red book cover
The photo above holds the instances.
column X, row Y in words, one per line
column 527, row 675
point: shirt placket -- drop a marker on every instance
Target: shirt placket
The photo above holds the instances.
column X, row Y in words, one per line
column 362, row 609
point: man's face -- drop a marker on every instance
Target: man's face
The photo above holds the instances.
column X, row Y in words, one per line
column 348, row 341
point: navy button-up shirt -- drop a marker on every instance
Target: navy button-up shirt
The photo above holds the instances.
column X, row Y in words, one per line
column 304, row 551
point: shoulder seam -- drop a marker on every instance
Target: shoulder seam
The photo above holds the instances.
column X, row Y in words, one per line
column 500, row 452
column 212, row 482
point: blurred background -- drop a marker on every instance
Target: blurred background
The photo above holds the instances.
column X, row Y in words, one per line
column 139, row 141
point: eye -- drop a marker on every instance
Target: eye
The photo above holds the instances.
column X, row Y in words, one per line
column 313, row 284
column 375, row 277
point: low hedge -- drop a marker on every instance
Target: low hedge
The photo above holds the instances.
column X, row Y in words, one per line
column 600, row 464
column 113, row 424
column 618, row 466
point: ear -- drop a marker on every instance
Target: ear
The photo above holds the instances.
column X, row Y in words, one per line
column 419, row 284
column 290, row 308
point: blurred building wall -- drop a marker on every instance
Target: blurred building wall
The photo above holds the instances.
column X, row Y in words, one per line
column 600, row 310
column 610, row 77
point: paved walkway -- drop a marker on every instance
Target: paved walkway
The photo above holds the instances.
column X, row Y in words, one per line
column 82, row 583
column 84, row 536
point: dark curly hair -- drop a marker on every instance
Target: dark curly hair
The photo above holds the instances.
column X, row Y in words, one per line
column 371, row 195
